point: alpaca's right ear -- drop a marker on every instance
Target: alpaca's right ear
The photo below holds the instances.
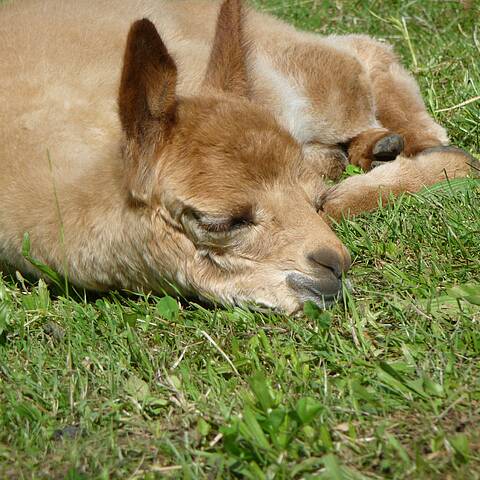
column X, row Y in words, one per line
column 227, row 67
column 147, row 102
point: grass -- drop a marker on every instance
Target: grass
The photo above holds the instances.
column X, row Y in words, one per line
column 384, row 385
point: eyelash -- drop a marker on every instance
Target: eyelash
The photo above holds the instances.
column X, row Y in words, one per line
column 233, row 224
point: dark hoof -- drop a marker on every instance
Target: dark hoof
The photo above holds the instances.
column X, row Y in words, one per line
column 388, row 148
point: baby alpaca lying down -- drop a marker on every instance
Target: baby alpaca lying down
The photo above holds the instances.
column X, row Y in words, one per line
column 191, row 148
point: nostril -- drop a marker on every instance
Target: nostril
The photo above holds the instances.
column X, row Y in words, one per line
column 328, row 258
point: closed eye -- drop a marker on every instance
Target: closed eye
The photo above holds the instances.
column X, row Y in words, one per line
column 223, row 223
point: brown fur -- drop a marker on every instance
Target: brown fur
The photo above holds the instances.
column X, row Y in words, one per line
column 361, row 147
column 147, row 103
column 227, row 67
column 195, row 153
column 362, row 193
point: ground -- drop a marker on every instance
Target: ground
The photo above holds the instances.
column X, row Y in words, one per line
column 384, row 385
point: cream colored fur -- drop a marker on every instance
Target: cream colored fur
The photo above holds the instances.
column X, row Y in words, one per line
column 62, row 171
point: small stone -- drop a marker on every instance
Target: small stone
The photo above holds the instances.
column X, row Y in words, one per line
column 68, row 432
column 54, row 330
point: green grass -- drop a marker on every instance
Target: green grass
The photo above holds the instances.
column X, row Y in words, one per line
column 384, row 385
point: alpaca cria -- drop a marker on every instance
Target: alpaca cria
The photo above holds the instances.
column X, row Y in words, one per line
column 151, row 143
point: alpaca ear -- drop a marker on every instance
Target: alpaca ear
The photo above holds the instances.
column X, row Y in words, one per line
column 147, row 87
column 227, row 67
column 147, row 102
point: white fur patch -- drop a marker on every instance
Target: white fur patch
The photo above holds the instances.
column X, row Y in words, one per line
column 293, row 105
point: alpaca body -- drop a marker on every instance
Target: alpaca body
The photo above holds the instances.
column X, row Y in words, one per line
column 62, row 156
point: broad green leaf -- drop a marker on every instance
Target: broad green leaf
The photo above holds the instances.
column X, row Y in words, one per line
column 326, row 437
column 468, row 292
column 332, row 467
column 203, row 427
column 276, row 418
column 432, row 388
column 4, row 316
column 137, row 388
column 393, row 441
column 313, row 312
column 351, row 170
column 261, row 390
column 252, row 429
column 307, row 409
column 398, row 377
column 461, row 445
column 167, row 308
column 360, row 392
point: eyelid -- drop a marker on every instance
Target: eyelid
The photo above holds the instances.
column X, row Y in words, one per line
column 215, row 226
column 224, row 224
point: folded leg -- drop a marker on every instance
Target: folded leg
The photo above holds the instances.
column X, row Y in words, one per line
column 373, row 147
column 362, row 193
column 398, row 103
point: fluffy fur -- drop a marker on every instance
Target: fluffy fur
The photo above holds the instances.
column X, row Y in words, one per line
column 191, row 148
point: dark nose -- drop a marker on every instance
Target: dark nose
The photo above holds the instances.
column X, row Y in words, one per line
column 327, row 258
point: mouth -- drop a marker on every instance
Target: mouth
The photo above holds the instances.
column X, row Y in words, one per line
column 323, row 292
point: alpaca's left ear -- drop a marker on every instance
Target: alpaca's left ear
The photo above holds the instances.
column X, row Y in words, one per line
column 147, row 87
column 147, row 104
column 227, row 67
